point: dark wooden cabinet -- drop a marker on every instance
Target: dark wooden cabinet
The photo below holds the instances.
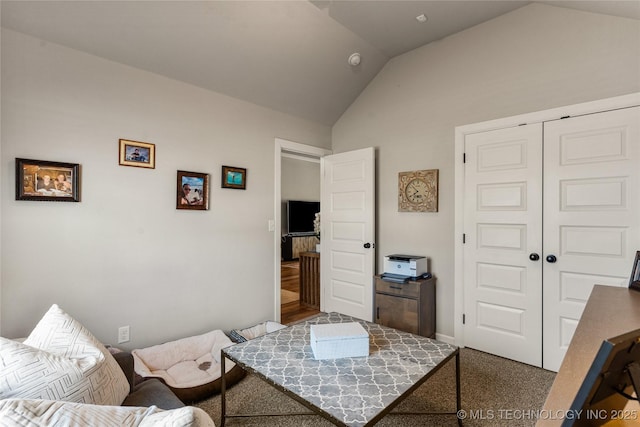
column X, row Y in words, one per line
column 409, row 307
column 310, row 279
column 292, row 246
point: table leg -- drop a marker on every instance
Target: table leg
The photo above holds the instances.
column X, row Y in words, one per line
column 458, row 400
column 223, row 389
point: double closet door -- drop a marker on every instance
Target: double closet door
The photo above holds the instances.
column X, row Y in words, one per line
column 550, row 209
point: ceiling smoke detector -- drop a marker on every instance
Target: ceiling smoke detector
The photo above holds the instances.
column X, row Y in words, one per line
column 354, row 59
column 421, row 18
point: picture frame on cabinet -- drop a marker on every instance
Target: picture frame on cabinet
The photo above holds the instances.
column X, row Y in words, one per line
column 634, row 281
column 44, row 180
column 192, row 191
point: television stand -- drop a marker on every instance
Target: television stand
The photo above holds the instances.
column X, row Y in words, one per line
column 292, row 246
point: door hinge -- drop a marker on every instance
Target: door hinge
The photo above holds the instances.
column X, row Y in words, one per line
column 464, row 238
column 464, row 318
column 464, row 157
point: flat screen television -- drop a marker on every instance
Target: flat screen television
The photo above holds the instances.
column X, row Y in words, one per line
column 300, row 216
column 612, row 379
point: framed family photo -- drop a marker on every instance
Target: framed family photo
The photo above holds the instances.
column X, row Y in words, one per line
column 45, row 180
column 634, row 281
column 192, row 191
column 233, row 177
column 138, row 154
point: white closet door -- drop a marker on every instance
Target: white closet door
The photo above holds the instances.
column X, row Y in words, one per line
column 591, row 216
column 502, row 223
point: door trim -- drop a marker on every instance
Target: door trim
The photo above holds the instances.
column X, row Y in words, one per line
column 299, row 151
column 591, row 107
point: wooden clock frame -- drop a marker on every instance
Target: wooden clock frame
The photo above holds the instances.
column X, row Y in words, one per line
column 430, row 179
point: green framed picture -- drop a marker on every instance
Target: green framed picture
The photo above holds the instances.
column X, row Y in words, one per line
column 233, row 177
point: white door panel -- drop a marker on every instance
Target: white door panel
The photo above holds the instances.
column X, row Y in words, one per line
column 502, row 227
column 592, row 225
column 347, row 203
column 579, row 207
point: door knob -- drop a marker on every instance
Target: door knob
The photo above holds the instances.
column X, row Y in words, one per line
column 367, row 245
column 534, row 256
column 551, row 259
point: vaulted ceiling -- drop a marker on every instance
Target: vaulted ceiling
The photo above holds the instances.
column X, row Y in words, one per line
column 291, row 56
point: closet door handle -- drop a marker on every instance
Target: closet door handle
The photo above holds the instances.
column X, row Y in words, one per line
column 551, row 259
column 534, row 256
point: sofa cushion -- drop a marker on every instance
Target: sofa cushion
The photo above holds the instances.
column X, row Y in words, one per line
column 61, row 360
column 153, row 391
column 37, row 413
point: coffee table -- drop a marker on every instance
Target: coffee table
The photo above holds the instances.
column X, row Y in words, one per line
column 352, row 392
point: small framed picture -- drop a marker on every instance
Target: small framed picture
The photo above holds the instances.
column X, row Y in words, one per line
column 192, row 191
column 234, row 177
column 138, row 154
column 634, row 281
column 44, row 180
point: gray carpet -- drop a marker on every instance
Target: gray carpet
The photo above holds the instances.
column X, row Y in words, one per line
column 495, row 392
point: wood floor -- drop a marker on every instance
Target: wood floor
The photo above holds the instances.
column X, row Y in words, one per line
column 290, row 280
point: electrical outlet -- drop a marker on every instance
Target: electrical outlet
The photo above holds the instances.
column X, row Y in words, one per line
column 123, row 334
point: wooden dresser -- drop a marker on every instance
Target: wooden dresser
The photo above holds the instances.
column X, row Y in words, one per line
column 409, row 307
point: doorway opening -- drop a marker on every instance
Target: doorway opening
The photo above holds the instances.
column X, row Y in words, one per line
column 291, row 306
column 297, row 177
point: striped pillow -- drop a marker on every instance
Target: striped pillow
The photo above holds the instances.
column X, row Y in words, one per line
column 61, row 360
column 28, row 412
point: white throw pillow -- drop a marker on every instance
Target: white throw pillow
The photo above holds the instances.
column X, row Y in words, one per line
column 188, row 416
column 61, row 360
column 38, row 413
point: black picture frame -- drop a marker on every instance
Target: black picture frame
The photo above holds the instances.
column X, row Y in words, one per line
column 233, row 177
column 634, row 280
column 47, row 181
column 610, row 382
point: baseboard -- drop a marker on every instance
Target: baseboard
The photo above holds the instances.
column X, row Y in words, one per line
column 445, row 338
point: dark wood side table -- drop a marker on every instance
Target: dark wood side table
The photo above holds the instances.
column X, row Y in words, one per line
column 310, row 279
column 610, row 311
column 409, row 307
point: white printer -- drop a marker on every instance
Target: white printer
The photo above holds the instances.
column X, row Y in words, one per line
column 399, row 267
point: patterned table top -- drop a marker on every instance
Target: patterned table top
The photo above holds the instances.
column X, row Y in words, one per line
column 349, row 391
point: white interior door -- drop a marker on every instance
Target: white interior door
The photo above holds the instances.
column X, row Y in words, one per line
column 502, row 223
column 591, row 216
column 347, row 230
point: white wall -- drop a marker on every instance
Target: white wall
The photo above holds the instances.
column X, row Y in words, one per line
column 534, row 58
column 300, row 181
column 125, row 255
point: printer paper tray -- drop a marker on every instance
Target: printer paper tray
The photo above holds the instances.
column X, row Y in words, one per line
column 396, row 278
